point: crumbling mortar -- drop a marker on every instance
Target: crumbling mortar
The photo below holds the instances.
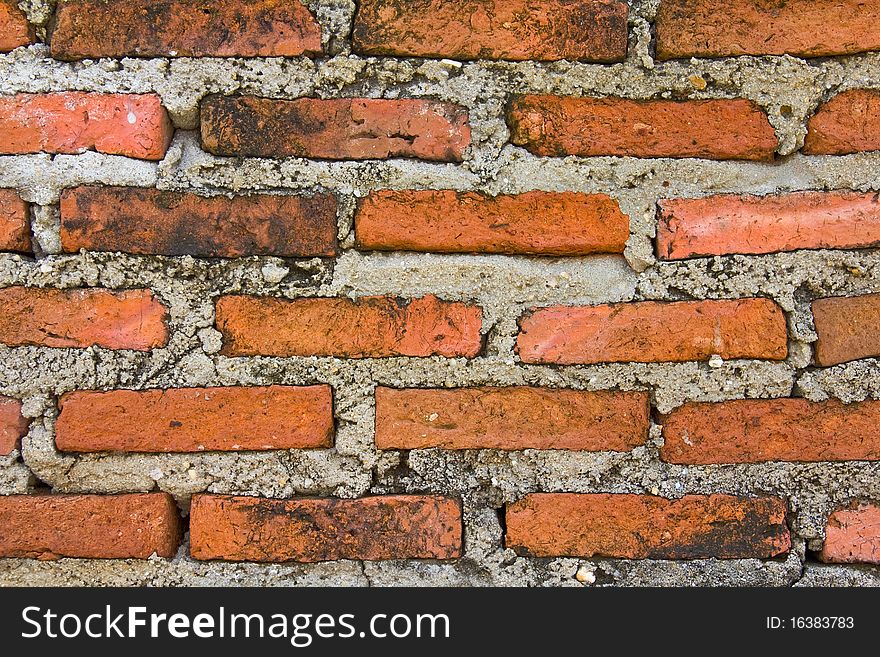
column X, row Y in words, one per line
column 484, row 479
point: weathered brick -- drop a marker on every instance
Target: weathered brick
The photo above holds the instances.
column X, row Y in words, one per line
column 647, row 527
column 715, row 129
column 183, row 28
column 848, row 123
column 48, row 317
column 12, row 425
column 853, row 535
column 370, row 327
column 580, row 30
column 805, row 28
column 150, row 221
column 650, row 331
column 540, row 223
column 73, row 122
column 15, row 233
column 310, row 530
column 757, row 430
column 334, row 129
column 196, row 419
column 89, row 526
column 511, row 418
column 847, row 328
column 719, row 225
column 15, row 30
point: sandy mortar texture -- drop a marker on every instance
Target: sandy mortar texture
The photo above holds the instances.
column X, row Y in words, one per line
column 788, row 89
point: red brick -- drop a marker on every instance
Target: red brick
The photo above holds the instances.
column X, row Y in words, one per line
column 89, row 526
column 848, row 123
column 539, row 223
column 847, row 328
column 720, row 225
column 196, row 419
column 13, row 426
column 47, row 317
column 183, row 28
column 853, row 535
column 511, row 418
column 15, row 30
column 805, row 28
column 714, row 129
column 647, row 527
column 150, row 221
column 310, row 530
column 758, row 430
column 580, row 30
column 73, row 122
column 15, row 224
column 650, row 331
column 334, row 129
column 370, row 327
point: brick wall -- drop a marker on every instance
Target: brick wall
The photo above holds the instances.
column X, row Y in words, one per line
column 462, row 292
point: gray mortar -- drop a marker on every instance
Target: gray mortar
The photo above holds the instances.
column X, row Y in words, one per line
column 38, row 12
column 789, row 89
column 827, row 575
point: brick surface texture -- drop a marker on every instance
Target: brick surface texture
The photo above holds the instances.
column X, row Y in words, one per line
column 134, row 125
column 94, row 526
column 15, row 30
column 440, row 292
column 714, row 129
column 15, row 234
column 196, row 419
column 183, row 28
column 373, row 528
column 131, row 319
column 645, row 527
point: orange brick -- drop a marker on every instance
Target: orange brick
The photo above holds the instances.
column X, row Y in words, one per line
column 15, row 224
column 805, row 28
column 650, row 331
column 150, row 221
column 334, row 129
column 848, row 123
column 15, row 30
column 715, row 129
column 720, row 225
column 539, row 223
column 846, row 327
column 511, row 418
column 310, row 530
column 647, row 527
column 13, row 426
column 73, row 122
column 370, row 327
column 757, row 430
column 183, row 28
column 89, row 526
column 196, row 419
column 853, row 535
column 584, row 30
column 46, row 317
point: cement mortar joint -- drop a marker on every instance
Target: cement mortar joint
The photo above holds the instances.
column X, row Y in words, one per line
column 485, row 479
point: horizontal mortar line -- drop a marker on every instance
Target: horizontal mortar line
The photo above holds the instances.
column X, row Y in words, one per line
column 685, row 479
column 164, row 67
column 486, row 299
column 341, row 373
column 504, row 262
column 796, row 172
column 750, row 483
column 599, row 378
column 491, row 364
column 609, row 175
